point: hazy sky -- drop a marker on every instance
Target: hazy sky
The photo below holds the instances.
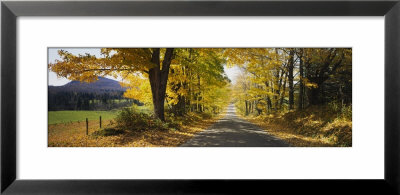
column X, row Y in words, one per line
column 53, row 55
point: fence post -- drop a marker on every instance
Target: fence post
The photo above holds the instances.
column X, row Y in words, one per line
column 87, row 126
column 100, row 122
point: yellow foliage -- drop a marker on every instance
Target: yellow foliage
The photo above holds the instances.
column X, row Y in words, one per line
column 313, row 127
column 138, row 88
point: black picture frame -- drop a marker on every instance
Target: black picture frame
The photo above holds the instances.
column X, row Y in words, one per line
column 10, row 10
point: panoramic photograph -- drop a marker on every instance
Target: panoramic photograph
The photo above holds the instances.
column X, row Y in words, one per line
column 199, row 97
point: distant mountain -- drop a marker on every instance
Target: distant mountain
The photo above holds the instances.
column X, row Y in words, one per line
column 102, row 85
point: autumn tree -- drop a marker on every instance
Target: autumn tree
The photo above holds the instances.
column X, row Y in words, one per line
column 299, row 53
column 197, row 81
column 153, row 62
column 241, row 92
column 290, row 69
column 266, row 68
column 193, row 79
column 277, row 76
column 321, row 65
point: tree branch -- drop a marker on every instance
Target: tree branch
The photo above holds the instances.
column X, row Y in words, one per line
column 105, row 69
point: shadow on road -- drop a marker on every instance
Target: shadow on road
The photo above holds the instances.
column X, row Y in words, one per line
column 232, row 131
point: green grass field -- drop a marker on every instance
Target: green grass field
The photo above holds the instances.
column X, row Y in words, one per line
column 56, row 117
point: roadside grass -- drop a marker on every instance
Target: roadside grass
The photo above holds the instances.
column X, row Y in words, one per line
column 311, row 127
column 69, row 116
column 73, row 134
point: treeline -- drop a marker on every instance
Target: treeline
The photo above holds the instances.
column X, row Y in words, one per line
column 192, row 79
column 278, row 79
column 67, row 100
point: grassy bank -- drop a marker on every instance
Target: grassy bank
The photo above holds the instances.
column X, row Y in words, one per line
column 68, row 116
column 313, row 126
column 73, row 134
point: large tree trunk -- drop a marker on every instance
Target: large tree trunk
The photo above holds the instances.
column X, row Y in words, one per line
column 269, row 103
column 278, row 90
column 290, row 79
column 199, row 98
column 158, row 80
column 301, row 87
column 283, row 93
column 247, row 107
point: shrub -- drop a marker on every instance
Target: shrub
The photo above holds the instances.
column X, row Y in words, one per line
column 347, row 112
column 342, row 110
column 130, row 119
column 173, row 125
